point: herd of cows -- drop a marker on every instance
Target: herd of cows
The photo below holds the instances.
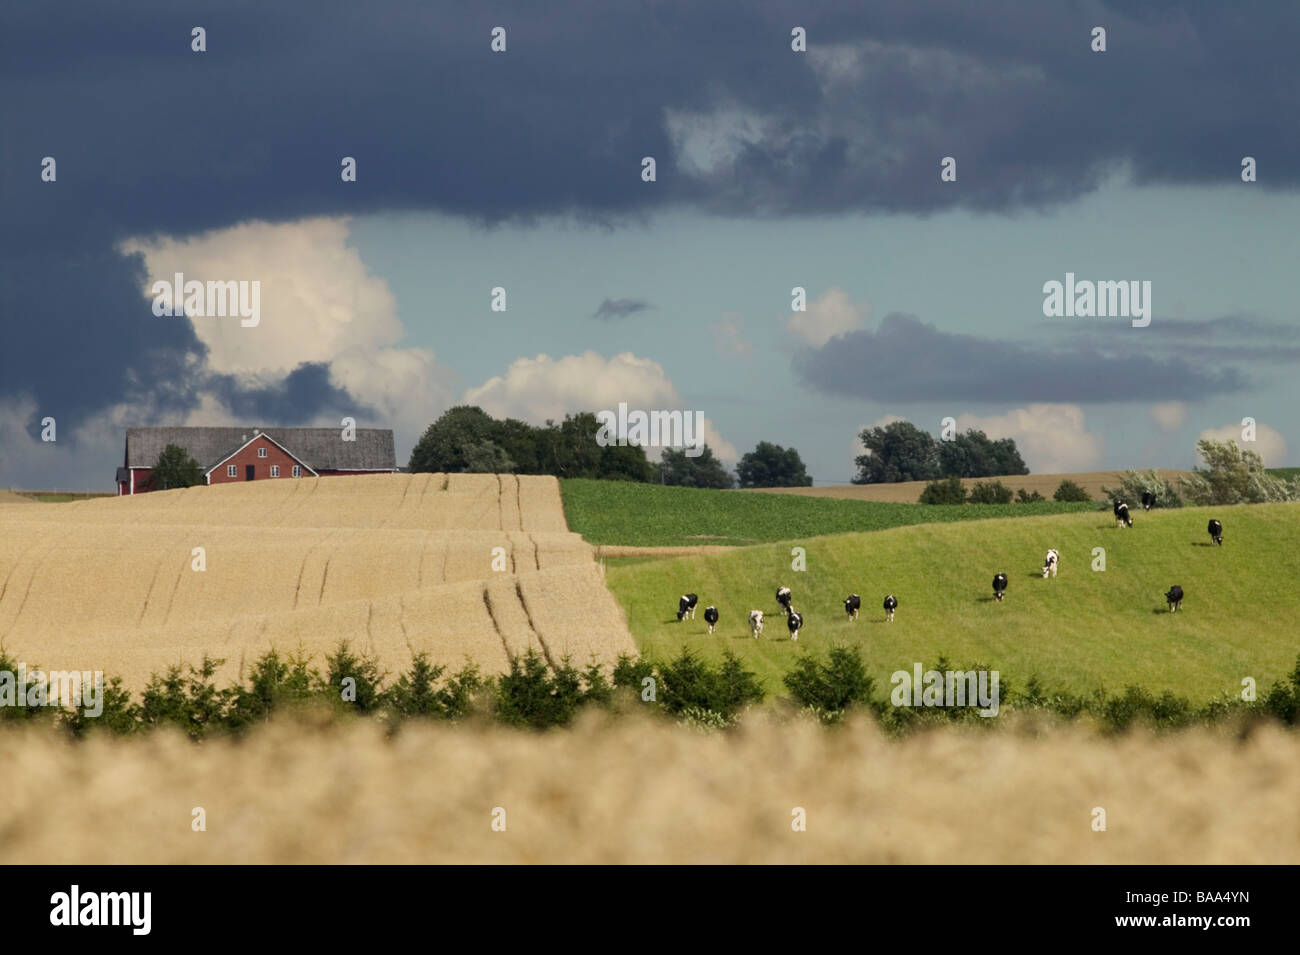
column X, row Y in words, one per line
column 686, row 603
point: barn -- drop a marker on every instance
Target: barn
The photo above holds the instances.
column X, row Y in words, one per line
column 258, row 454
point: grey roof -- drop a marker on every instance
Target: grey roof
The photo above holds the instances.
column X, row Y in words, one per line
column 323, row 449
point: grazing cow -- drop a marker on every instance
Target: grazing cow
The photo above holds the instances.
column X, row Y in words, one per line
column 999, row 586
column 711, row 617
column 891, row 604
column 756, row 622
column 1175, row 597
column 1216, row 532
column 1121, row 514
column 686, row 605
column 1050, row 563
column 794, row 621
column 852, row 604
column 783, row 598
column 1148, row 500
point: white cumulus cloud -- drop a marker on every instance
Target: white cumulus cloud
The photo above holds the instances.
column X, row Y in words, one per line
column 541, row 388
column 1169, row 415
column 832, row 314
column 1052, row 438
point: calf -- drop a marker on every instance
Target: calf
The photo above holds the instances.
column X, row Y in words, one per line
column 686, row 605
column 1121, row 515
column 783, row 598
column 1050, row 562
column 1175, row 597
column 852, row 604
column 999, row 586
column 711, row 617
column 891, row 604
column 756, row 622
column 1216, row 532
column 1148, row 500
column 794, row 621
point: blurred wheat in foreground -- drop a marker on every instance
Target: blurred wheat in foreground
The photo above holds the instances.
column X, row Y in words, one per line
column 634, row 791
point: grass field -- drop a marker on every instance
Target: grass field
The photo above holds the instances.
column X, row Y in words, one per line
column 1082, row 630
column 624, row 513
column 636, row 791
column 907, row 492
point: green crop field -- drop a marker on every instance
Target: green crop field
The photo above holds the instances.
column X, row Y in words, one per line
column 1082, row 630
column 621, row 512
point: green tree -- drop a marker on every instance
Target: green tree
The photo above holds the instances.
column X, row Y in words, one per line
column 1233, row 476
column 175, row 468
column 1068, row 490
column 704, row 470
column 1024, row 497
column 975, row 455
column 900, row 451
column 464, row 439
column 770, row 465
column 990, row 492
column 948, row 491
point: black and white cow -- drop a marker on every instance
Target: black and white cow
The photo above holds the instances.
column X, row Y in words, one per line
column 1050, row 563
column 711, row 617
column 1175, row 597
column 783, row 598
column 1121, row 515
column 756, row 622
column 1216, row 532
column 891, row 604
column 852, row 604
column 1148, row 500
column 686, row 605
column 794, row 620
column 999, row 586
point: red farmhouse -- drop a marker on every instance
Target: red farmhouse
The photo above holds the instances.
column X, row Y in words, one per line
column 258, row 454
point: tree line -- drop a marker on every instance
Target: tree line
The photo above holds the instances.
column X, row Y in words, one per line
column 900, row 451
column 466, row 439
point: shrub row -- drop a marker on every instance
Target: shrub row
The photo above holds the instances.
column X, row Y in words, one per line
column 537, row 694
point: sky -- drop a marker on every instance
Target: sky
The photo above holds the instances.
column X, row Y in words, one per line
column 522, row 170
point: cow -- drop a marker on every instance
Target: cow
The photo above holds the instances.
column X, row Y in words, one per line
column 756, row 622
column 783, row 598
column 852, row 604
column 999, row 586
column 711, row 617
column 1216, row 532
column 891, row 604
column 1148, row 500
column 794, row 621
column 1175, row 598
column 1121, row 515
column 686, row 605
column 1050, row 563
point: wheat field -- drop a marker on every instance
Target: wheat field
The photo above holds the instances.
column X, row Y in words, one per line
column 395, row 564
column 628, row 790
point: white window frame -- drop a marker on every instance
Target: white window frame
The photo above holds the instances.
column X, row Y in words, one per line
column 232, row 470
column 261, row 452
column 297, row 470
column 275, row 470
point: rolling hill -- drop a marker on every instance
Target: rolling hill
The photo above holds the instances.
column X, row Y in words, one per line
column 1082, row 630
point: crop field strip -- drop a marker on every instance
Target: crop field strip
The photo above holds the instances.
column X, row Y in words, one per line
column 392, row 563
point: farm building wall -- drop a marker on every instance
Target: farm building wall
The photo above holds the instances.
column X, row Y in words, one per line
column 248, row 455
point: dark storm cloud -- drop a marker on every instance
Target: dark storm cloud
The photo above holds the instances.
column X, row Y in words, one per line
column 1227, row 338
column 909, row 360
column 153, row 138
column 301, row 396
column 620, row 308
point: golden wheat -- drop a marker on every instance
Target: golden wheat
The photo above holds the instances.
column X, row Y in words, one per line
column 396, row 564
column 636, row 791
